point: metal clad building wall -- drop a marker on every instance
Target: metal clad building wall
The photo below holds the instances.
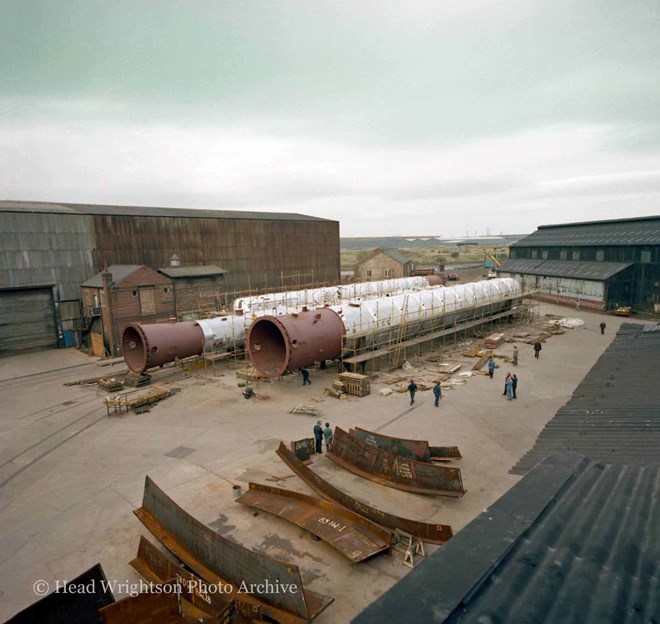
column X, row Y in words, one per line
column 257, row 253
column 27, row 320
column 42, row 249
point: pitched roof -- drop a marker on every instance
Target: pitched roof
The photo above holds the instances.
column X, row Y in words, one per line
column 192, row 271
column 614, row 414
column 638, row 231
column 148, row 211
column 573, row 541
column 597, row 271
column 395, row 255
column 119, row 272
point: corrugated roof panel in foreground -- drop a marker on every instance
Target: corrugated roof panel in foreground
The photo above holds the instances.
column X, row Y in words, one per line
column 574, row 542
column 614, row 413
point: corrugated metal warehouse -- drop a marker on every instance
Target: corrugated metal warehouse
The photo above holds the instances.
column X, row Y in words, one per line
column 48, row 249
column 600, row 264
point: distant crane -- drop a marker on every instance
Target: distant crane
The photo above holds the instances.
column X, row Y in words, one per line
column 491, row 263
column 490, row 260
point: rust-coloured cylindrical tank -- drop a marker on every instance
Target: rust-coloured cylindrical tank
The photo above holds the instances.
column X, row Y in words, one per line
column 435, row 280
column 280, row 343
column 147, row 346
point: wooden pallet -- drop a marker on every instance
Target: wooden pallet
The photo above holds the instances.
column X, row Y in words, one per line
column 356, row 384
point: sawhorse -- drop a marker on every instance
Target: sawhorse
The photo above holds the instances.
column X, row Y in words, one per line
column 412, row 546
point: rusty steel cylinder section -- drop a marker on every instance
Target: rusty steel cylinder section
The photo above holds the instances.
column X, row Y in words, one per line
column 151, row 345
column 280, row 343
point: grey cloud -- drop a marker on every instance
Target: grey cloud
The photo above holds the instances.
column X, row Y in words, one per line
column 632, row 183
column 473, row 187
column 422, row 75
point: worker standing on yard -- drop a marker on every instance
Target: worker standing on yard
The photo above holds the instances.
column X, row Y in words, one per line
column 506, row 381
column 327, row 436
column 509, row 389
column 515, row 356
column 491, row 367
column 318, row 436
column 437, row 391
column 514, row 384
column 602, row 328
column 537, row 349
column 305, row 374
column 412, row 388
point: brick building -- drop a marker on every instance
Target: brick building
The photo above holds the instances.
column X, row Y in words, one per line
column 198, row 290
column 123, row 294
column 383, row 264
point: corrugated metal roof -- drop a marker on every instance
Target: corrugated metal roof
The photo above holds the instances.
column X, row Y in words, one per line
column 614, row 414
column 148, row 211
column 597, row 271
column 192, row 271
column 119, row 272
column 639, row 231
column 574, row 542
column 395, row 255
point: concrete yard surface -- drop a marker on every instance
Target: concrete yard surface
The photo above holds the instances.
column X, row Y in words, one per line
column 70, row 477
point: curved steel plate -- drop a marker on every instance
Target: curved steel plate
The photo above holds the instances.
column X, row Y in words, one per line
column 419, row 450
column 156, row 567
column 219, row 560
column 352, row 535
column 397, row 472
column 432, row 533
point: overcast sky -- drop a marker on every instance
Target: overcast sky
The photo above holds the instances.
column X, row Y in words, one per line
column 406, row 117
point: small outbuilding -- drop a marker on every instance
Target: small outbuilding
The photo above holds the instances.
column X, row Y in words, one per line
column 198, row 290
column 123, row 294
column 383, row 264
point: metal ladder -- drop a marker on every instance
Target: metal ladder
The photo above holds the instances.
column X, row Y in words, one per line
column 401, row 334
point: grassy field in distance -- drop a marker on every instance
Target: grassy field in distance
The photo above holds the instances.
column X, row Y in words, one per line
column 430, row 255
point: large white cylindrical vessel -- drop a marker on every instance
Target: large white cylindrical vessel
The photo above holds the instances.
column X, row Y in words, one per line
column 328, row 295
column 452, row 304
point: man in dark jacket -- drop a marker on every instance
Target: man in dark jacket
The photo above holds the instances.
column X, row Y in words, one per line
column 514, row 385
column 537, row 349
column 437, row 391
column 412, row 388
column 318, row 436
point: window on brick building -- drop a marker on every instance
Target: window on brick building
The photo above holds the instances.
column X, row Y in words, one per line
column 368, row 272
column 135, row 293
column 388, row 272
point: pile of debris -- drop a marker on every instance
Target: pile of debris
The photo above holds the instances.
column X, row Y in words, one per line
column 120, row 404
column 493, row 341
column 251, row 374
column 111, row 384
